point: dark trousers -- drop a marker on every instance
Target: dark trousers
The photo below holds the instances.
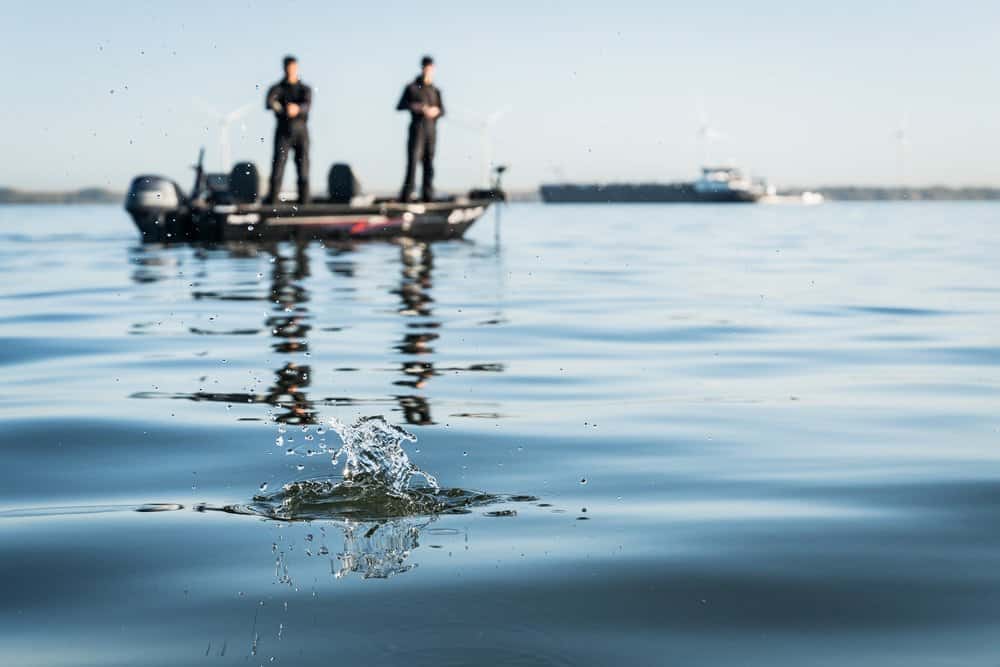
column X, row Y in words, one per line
column 419, row 149
column 286, row 138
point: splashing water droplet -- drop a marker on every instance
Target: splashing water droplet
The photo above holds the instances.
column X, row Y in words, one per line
column 372, row 450
column 263, row 486
column 583, row 480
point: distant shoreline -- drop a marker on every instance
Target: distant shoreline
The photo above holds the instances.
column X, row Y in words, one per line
column 81, row 196
column 831, row 193
column 883, row 193
column 872, row 193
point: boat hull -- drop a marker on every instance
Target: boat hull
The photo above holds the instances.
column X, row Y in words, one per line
column 288, row 221
column 643, row 193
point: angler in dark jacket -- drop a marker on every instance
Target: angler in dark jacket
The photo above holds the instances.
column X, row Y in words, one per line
column 290, row 100
column 423, row 100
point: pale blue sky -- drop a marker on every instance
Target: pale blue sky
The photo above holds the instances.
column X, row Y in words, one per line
column 804, row 92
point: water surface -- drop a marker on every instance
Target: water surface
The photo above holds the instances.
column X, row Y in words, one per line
column 709, row 435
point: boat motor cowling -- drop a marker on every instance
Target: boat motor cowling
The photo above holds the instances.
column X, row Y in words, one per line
column 152, row 194
column 157, row 206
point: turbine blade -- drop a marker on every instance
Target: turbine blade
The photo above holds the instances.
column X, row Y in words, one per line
column 236, row 114
column 494, row 117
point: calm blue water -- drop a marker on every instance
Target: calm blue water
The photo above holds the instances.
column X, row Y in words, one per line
column 755, row 436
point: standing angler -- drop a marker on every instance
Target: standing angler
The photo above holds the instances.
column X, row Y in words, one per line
column 423, row 100
column 290, row 100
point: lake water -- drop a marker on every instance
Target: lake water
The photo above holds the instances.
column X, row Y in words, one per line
column 713, row 435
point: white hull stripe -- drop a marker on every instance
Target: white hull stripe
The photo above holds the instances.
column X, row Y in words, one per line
column 332, row 220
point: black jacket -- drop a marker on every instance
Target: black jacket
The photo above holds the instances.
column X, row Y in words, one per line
column 416, row 95
column 283, row 93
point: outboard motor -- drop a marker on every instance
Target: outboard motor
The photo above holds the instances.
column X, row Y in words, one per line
column 344, row 186
column 158, row 208
column 244, row 183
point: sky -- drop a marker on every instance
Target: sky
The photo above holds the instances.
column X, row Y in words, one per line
column 800, row 92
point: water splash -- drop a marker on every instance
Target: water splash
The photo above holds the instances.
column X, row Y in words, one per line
column 379, row 481
column 373, row 455
column 380, row 502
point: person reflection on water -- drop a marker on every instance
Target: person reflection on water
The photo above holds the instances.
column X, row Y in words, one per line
column 423, row 100
column 290, row 100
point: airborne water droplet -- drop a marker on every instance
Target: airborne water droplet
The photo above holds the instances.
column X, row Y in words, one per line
column 263, row 486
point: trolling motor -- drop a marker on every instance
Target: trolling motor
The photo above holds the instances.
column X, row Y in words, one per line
column 497, row 185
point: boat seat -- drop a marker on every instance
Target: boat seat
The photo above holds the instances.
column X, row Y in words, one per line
column 244, row 183
column 343, row 184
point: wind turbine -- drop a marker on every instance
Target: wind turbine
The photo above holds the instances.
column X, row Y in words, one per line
column 484, row 125
column 706, row 133
column 225, row 120
column 902, row 140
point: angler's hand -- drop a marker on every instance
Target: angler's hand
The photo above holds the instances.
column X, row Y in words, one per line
column 432, row 112
column 292, row 110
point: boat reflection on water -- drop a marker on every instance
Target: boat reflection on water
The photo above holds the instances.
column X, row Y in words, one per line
column 290, row 323
column 422, row 330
